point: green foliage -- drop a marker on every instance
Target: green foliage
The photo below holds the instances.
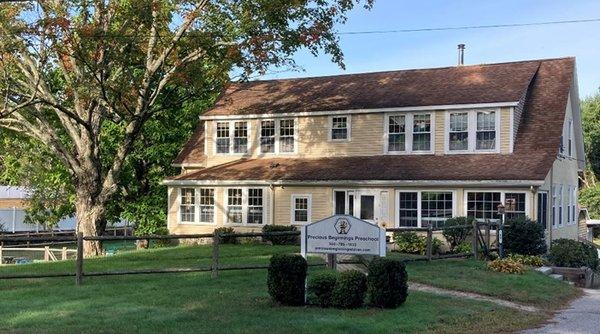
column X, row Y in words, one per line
column 574, row 254
column 524, row 236
column 412, row 243
column 464, row 247
column 281, row 240
column 507, row 265
column 320, row 288
column 286, row 278
column 227, row 239
column 456, row 236
column 528, row 260
column 387, row 283
column 590, row 198
column 350, row 290
column 590, row 112
column 163, row 242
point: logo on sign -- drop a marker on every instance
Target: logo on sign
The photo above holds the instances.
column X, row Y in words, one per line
column 342, row 226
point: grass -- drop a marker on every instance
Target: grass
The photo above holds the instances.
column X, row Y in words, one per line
column 236, row 302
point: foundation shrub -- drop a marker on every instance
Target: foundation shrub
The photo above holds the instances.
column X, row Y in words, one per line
column 349, row 290
column 387, row 283
column 281, row 240
column 574, row 254
column 524, row 236
column 227, row 240
column 320, row 288
column 286, row 277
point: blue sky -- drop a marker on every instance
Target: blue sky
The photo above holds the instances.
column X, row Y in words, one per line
column 367, row 53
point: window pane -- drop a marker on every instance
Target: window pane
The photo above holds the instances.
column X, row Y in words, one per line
column 483, row 205
column 340, row 202
column 234, row 206
column 267, row 136
column 222, row 137
column 407, row 207
column 515, row 205
column 187, row 207
column 367, row 207
column 240, row 137
column 207, row 205
column 396, row 133
column 255, row 206
column 486, row 130
column 301, row 209
column 436, row 207
column 339, row 128
column 421, row 133
column 421, row 142
column 286, row 135
column 459, row 132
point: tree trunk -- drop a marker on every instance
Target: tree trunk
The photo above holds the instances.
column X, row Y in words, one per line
column 90, row 221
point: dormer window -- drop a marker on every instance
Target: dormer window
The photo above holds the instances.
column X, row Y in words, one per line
column 459, row 131
column 278, row 136
column 339, row 128
column 472, row 131
column 408, row 133
column 231, row 137
column 486, row 130
column 222, row 137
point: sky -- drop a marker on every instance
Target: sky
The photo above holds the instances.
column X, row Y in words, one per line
column 381, row 52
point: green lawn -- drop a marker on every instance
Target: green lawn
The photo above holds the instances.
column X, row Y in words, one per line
column 236, row 302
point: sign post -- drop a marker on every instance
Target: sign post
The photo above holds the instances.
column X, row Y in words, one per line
column 502, row 211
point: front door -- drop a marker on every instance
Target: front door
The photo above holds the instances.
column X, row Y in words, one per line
column 360, row 203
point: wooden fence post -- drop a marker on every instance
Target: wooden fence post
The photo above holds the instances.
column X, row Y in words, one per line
column 1, row 255
column 64, row 253
column 46, row 253
column 429, row 242
column 475, row 236
column 215, row 255
column 79, row 261
column 488, row 239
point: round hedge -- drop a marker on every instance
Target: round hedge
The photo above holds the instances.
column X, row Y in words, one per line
column 524, row 236
column 320, row 288
column 286, row 277
column 387, row 283
column 349, row 290
column 574, row 254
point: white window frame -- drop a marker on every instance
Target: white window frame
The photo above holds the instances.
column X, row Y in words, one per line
column 574, row 211
column 275, row 135
column 278, row 135
column 293, row 209
column 570, row 138
column 196, row 207
column 245, row 206
column 554, row 206
column 561, row 211
column 472, row 130
column 502, row 198
column 348, row 128
column 408, row 133
column 419, row 198
column 231, row 125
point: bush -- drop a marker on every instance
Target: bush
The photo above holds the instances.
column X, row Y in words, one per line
column 528, row 260
column 281, row 240
column 574, row 254
column 507, row 265
column 464, row 247
column 524, row 236
column 163, row 242
column 286, row 277
column 320, row 288
column 227, row 240
column 387, row 283
column 349, row 290
column 456, row 236
column 412, row 243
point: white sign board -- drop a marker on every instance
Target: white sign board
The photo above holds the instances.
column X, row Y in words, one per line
column 343, row 234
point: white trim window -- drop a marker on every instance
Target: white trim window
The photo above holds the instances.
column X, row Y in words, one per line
column 570, row 138
column 515, row 205
column 245, row 206
column 472, row 131
column 484, row 205
column 560, row 205
column 187, row 205
column 424, row 208
column 339, row 128
column 267, row 136
column 301, row 209
column 554, row 205
column 287, row 135
column 574, row 212
column 409, row 133
column 206, row 205
column 222, row 141
column 240, row 137
column 459, row 132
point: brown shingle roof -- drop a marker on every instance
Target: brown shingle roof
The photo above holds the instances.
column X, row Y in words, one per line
column 409, row 88
column 535, row 148
column 193, row 150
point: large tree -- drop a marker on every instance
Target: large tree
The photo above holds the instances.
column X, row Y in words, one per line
column 75, row 72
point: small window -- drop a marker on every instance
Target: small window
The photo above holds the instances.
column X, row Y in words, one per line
column 408, row 209
column 206, row 203
column 421, row 132
column 240, row 137
column 267, row 136
column 574, row 212
column 286, row 136
column 459, row 132
column 486, row 130
column 222, row 137
column 542, row 212
column 560, row 204
column 340, row 202
column 234, row 206
column 339, row 128
column 187, row 205
column 483, row 205
column 396, row 133
column 255, row 206
column 554, row 205
column 301, row 209
column 515, row 205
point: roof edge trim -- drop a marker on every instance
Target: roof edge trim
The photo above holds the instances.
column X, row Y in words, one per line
column 363, row 111
column 412, row 183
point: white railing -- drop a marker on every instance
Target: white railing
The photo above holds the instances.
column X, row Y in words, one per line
column 49, row 253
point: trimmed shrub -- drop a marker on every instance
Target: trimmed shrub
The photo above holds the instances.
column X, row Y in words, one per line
column 524, row 236
column 320, row 288
column 227, row 240
column 285, row 278
column 412, row 243
column 163, row 242
column 464, row 247
column 528, row 260
column 457, row 236
column 507, row 265
column 387, row 283
column 574, row 254
column 349, row 290
column 281, row 240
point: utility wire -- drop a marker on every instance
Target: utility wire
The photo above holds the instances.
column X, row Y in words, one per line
column 490, row 26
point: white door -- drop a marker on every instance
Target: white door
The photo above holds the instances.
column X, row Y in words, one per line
column 360, row 203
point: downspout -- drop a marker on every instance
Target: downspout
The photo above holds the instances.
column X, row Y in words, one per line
column 272, row 218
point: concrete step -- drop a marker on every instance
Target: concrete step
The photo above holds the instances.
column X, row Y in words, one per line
column 558, row 277
column 544, row 270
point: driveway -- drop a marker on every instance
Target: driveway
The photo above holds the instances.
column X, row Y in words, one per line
column 582, row 316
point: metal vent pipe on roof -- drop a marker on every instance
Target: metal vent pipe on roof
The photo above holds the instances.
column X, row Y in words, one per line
column 461, row 54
